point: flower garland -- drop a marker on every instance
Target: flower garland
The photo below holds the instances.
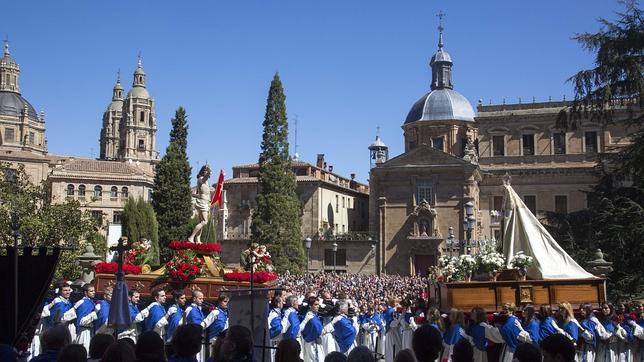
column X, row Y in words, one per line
column 186, row 245
column 258, row 277
column 184, row 267
column 110, row 268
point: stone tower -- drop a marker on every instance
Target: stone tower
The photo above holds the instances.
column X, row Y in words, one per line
column 137, row 131
column 112, row 118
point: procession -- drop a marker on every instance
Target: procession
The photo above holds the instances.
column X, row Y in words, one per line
column 208, row 224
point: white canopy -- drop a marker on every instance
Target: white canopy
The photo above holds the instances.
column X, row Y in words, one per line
column 522, row 231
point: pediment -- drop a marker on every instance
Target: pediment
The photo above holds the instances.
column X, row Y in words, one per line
column 425, row 155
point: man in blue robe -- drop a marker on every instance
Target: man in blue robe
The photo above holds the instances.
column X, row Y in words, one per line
column 344, row 330
column 292, row 326
column 153, row 313
column 103, row 311
column 217, row 319
column 62, row 311
column 173, row 316
column 194, row 315
column 276, row 323
column 133, row 330
column 311, row 332
column 85, row 316
column 512, row 333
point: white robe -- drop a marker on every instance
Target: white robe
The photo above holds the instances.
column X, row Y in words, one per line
column 311, row 351
column 408, row 328
column 36, row 347
column 328, row 342
column 86, row 330
column 393, row 339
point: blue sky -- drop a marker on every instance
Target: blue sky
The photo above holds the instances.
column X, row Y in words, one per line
column 347, row 66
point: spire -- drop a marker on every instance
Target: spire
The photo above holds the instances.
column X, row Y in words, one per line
column 441, row 62
column 117, row 93
column 139, row 74
column 440, row 15
column 9, row 71
column 6, row 46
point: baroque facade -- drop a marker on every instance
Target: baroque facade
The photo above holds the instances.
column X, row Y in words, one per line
column 101, row 186
column 444, row 192
column 334, row 209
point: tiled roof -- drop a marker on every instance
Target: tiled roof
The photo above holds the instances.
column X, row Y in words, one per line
column 113, row 167
column 250, row 180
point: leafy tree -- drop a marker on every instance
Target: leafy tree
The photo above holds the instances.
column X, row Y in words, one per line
column 139, row 222
column 609, row 91
column 171, row 197
column 277, row 218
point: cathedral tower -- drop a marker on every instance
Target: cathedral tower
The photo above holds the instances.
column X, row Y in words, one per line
column 137, row 131
column 111, row 121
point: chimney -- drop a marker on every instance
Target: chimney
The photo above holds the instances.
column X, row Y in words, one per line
column 320, row 163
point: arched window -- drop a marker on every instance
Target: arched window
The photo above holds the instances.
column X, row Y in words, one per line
column 98, row 191
column 114, row 192
column 125, row 192
column 142, row 118
column 70, row 190
column 81, row 190
column 141, row 145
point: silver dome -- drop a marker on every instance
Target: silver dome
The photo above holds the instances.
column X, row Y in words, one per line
column 441, row 56
column 441, row 104
column 138, row 92
column 115, row 105
column 12, row 104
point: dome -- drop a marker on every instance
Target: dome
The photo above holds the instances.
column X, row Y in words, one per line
column 139, row 70
column 116, row 105
column 12, row 104
column 441, row 56
column 441, row 104
column 138, row 92
column 8, row 61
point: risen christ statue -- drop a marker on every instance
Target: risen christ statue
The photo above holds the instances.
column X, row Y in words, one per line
column 202, row 203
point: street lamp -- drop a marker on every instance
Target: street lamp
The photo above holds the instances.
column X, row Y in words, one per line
column 307, row 245
column 373, row 252
column 469, row 222
column 335, row 252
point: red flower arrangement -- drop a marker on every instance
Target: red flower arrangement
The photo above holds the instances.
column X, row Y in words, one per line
column 186, row 245
column 259, row 276
column 184, row 267
column 110, row 268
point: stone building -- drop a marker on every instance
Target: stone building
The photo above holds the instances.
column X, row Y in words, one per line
column 444, row 192
column 334, row 209
column 126, row 167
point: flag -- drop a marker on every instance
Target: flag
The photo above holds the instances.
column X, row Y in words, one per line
column 219, row 190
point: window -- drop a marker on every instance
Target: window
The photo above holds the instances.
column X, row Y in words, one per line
column 98, row 191
column 98, row 216
column 70, row 190
column 340, row 257
column 343, row 204
column 561, row 204
column 114, row 192
column 116, row 217
column 81, row 191
column 497, row 203
column 9, row 134
column 125, row 193
column 497, row 234
column 412, row 145
column 437, row 143
column 348, row 202
column 498, row 145
column 32, row 138
column 423, row 191
column 141, row 145
column 337, row 203
column 590, row 141
column 528, row 144
column 150, row 195
column 559, row 143
column 531, row 203
column 142, row 118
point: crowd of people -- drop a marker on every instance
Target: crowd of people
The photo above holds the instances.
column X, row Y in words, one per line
column 334, row 317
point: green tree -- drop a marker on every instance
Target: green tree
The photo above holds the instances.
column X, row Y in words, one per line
column 171, row 197
column 610, row 92
column 139, row 222
column 277, row 218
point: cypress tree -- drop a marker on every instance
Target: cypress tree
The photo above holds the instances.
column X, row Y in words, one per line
column 171, row 197
column 140, row 222
column 277, row 218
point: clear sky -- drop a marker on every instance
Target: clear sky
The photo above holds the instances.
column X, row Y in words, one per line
column 347, row 66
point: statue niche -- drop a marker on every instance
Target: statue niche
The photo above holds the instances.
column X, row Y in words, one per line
column 424, row 221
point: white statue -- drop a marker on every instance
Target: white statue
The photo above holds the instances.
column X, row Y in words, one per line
column 202, row 203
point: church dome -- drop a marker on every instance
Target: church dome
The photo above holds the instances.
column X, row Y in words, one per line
column 138, row 92
column 12, row 104
column 441, row 56
column 441, row 104
column 116, row 105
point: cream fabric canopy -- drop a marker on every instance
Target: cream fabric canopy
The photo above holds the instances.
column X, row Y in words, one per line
column 522, row 231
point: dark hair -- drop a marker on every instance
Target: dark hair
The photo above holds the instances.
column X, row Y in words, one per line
column 426, row 343
column 335, row 356
column 56, row 338
column 99, row 344
column 360, row 354
column 529, row 313
column 238, row 344
column 73, row 353
column 558, row 344
column 276, row 299
column 119, row 351
column 132, row 291
column 186, row 340
column 405, row 355
column 176, row 294
column 527, row 352
column 312, row 299
column 87, row 286
column 463, row 351
column 155, row 292
column 545, row 312
column 288, row 350
column 150, row 347
column 478, row 315
column 222, row 297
